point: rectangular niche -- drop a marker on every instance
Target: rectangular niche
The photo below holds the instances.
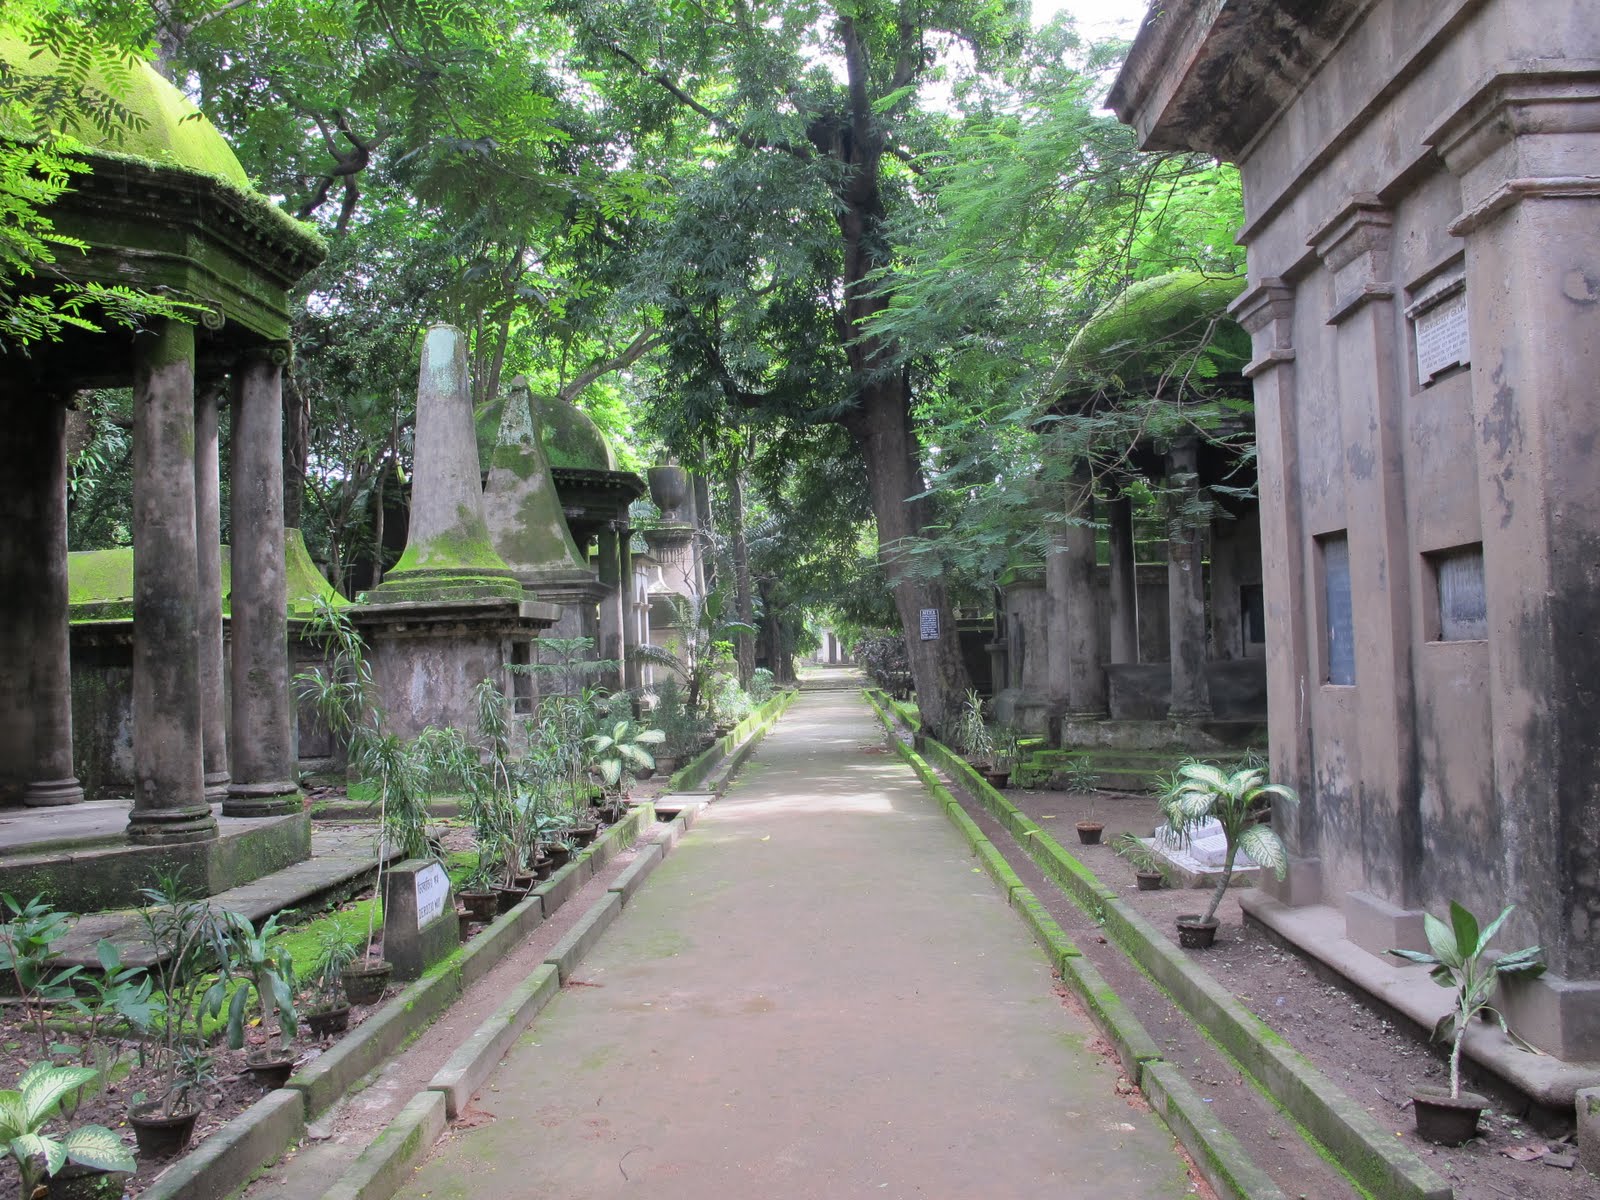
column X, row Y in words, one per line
column 1339, row 630
column 1459, row 607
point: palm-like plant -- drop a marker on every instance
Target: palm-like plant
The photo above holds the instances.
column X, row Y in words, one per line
column 25, row 1112
column 1458, row 962
column 706, row 631
column 1241, row 803
column 616, row 752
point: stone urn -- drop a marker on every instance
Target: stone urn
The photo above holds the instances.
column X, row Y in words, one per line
column 669, row 488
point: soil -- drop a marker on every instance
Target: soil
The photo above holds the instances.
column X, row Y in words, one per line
column 1376, row 1060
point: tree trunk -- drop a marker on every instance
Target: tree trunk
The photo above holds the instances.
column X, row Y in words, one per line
column 744, row 602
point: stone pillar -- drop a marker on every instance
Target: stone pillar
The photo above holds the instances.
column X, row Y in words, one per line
column 1058, row 634
column 1123, row 594
column 1354, row 248
column 1186, row 589
column 612, row 620
column 169, row 803
column 1086, row 678
column 208, row 540
column 1524, row 147
column 33, row 544
column 263, row 746
column 1267, row 314
column 627, row 586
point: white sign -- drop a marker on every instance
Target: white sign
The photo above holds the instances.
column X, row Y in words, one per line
column 930, row 624
column 1442, row 336
column 433, row 886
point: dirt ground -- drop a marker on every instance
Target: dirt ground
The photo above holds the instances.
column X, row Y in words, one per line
column 1375, row 1060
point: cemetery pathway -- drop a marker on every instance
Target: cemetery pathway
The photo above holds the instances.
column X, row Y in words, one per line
column 815, row 995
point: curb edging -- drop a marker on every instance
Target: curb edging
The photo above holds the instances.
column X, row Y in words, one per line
column 380, row 1170
column 464, row 1071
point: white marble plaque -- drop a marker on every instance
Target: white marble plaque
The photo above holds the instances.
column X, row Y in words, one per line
column 433, row 886
column 1441, row 331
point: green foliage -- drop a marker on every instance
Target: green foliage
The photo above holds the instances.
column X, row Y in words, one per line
column 618, row 749
column 1241, row 802
column 28, row 952
column 970, row 732
column 705, row 627
column 250, row 965
column 1137, row 854
column 28, row 1110
column 1459, row 961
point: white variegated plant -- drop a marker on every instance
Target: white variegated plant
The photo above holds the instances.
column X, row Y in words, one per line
column 1240, row 802
column 1460, row 961
column 620, row 750
column 26, row 1111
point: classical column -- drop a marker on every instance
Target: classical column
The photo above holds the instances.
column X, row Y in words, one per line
column 1086, row 678
column 208, row 537
column 169, row 803
column 1186, row 588
column 1057, row 632
column 263, row 749
column 1266, row 312
column 611, row 603
column 630, row 625
column 36, row 540
column 1354, row 249
column 1123, row 595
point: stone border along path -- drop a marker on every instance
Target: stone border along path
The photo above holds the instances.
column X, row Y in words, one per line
column 1340, row 1130
column 814, row 997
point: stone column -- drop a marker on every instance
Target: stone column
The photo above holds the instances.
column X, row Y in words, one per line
column 630, row 623
column 1267, row 314
column 33, row 544
column 1354, row 248
column 1086, row 679
column 1058, row 633
column 611, row 604
column 169, row 803
column 263, row 746
column 1123, row 593
column 208, row 538
column 1186, row 590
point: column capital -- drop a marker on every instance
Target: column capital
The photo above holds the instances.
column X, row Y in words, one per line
column 1353, row 245
column 1266, row 312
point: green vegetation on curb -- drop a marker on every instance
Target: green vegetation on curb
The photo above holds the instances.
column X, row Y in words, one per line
column 692, row 774
column 1343, row 1132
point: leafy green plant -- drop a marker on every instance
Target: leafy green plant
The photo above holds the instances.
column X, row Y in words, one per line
column 194, row 1068
column 180, row 928
column 620, row 749
column 26, row 1111
column 1004, row 741
column 1137, row 854
column 969, row 732
column 118, row 993
column 27, row 951
column 762, row 686
column 706, row 629
column 1459, row 960
column 1078, row 774
column 1241, row 803
column 251, row 965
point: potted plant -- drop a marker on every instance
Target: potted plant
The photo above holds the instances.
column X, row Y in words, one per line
column 252, row 967
column 27, row 1111
column 1241, row 803
column 1459, row 961
column 477, row 891
column 328, row 1008
column 163, row 1126
column 616, row 752
column 1146, row 866
column 969, row 733
column 1003, row 753
column 1080, row 776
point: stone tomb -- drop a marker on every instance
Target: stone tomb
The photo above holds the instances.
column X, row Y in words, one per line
column 419, row 917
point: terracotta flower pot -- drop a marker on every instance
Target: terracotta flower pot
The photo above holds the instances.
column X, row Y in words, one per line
column 364, row 982
column 1195, row 932
column 1149, row 881
column 271, row 1068
column 328, row 1021
column 161, row 1136
column 1447, row 1120
column 1089, row 832
column 480, row 904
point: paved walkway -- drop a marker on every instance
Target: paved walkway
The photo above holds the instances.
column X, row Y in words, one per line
column 815, row 995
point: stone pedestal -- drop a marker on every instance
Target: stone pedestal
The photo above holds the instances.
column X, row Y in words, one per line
column 419, row 917
column 169, row 803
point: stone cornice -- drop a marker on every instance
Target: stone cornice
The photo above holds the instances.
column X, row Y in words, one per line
column 1354, row 245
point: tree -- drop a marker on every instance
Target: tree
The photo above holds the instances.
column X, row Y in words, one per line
column 805, row 130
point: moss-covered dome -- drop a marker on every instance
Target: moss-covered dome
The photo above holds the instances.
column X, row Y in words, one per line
column 571, row 439
column 166, row 130
column 1156, row 326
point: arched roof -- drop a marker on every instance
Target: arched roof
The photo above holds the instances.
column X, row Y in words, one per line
column 166, row 130
column 571, row 439
column 1157, row 325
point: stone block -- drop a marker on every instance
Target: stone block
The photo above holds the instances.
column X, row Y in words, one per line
column 1301, row 884
column 1377, row 926
column 1560, row 1016
column 419, row 920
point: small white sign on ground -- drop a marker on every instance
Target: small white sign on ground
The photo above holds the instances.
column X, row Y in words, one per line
column 433, row 889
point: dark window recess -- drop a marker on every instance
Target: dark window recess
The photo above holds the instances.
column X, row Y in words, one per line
column 523, row 692
column 1341, row 621
column 1463, row 610
column 1253, row 612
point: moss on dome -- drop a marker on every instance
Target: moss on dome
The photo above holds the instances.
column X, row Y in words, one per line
column 169, row 131
column 1156, row 325
column 571, row 439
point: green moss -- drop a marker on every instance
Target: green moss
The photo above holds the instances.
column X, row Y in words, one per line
column 305, row 584
column 571, row 439
column 167, row 130
column 1141, row 333
column 100, row 585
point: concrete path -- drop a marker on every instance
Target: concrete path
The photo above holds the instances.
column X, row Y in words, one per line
column 815, row 995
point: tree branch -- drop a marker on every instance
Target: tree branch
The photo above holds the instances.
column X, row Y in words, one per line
column 641, row 345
